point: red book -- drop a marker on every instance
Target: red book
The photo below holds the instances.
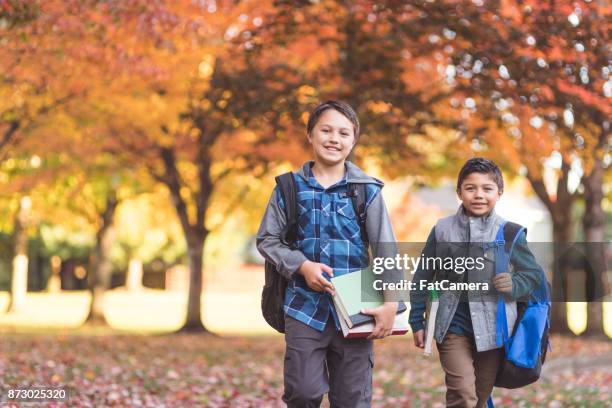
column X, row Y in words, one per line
column 400, row 326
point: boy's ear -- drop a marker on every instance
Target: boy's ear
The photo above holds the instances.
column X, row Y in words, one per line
column 309, row 137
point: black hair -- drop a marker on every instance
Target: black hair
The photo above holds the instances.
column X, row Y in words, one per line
column 481, row 165
column 342, row 107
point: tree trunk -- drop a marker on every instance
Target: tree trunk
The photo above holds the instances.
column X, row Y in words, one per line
column 19, row 281
column 195, row 251
column 101, row 266
column 54, row 285
column 195, row 233
column 561, row 238
column 560, row 210
column 593, row 224
column 133, row 281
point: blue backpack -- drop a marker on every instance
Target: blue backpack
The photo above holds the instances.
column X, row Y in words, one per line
column 525, row 348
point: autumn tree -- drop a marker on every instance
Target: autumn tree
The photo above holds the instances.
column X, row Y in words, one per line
column 195, row 111
column 355, row 51
column 519, row 81
column 43, row 68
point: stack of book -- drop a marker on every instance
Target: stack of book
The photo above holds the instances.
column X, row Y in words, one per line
column 355, row 292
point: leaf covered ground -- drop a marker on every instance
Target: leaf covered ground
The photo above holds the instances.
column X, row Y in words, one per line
column 196, row 370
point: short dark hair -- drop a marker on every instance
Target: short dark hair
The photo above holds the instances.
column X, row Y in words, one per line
column 481, row 165
column 342, row 107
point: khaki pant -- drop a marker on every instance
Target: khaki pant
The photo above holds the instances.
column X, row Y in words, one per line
column 470, row 374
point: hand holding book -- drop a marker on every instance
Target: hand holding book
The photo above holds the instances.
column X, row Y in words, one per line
column 384, row 316
column 372, row 318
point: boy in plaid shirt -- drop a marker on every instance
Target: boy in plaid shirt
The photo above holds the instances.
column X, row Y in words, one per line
column 318, row 359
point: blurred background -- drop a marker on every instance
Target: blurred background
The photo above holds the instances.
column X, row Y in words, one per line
column 139, row 140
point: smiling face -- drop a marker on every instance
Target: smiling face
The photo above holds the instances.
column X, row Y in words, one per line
column 479, row 193
column 332, row 138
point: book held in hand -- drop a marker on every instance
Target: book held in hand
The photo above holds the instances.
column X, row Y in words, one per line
column 432, row 312
column 350, row 292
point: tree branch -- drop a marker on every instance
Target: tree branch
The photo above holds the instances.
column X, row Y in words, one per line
column 7, row 137
column 173, row 182
column 230, row 208
column 540, row 190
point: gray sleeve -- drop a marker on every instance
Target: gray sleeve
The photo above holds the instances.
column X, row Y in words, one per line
column 381, row 237
column 269, row 245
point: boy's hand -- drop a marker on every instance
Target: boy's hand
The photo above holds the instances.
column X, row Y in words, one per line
column 384, row 316
column 419, row 338
column 503, row 282
column 313, row 274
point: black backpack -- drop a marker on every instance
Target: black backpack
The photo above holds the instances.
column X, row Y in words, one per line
column 273, row 293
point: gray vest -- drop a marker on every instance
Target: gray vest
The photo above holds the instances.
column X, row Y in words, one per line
column 457, row 229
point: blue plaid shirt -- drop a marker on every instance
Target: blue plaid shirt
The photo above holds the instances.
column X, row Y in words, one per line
column 328, row 233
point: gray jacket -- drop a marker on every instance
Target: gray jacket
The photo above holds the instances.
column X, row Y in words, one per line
column 288, row 261
column 457, row 229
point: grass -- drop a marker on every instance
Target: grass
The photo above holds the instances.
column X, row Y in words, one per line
column 135, row 362
column 159, row 311
column 221, row 371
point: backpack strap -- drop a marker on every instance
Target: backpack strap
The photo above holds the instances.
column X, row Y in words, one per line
column 288, row 189
column 512, row 232
column 506, row 237
column 358, row 194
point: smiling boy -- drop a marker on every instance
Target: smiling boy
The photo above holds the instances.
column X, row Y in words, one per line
column 465, row 324
column 318, row 359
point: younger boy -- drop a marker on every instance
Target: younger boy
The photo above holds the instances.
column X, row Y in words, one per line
column 465, row 324
column 318, row 359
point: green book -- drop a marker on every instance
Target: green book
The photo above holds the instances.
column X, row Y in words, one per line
column 350, row 290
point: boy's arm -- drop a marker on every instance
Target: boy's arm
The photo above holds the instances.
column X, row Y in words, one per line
column 269, row 244
column 382, row 239
column 383, row 245
column 527, row 271
column 418, row 297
